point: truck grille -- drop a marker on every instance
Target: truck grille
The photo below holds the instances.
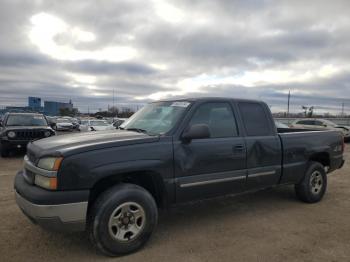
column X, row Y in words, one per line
column 29, row 135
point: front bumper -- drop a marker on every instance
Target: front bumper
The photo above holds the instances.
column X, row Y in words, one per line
column 14, row 143
column 54, row 210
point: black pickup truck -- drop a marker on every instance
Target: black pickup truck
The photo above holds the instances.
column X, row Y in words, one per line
column 112, row 183
column 18, row 129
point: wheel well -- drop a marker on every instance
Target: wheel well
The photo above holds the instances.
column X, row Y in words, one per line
column 150, row 181
column 322, row 158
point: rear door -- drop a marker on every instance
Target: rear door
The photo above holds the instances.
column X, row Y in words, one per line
column 264, row 154
column 215, row 165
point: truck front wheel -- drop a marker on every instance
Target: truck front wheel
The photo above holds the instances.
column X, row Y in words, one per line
column 122, row 219
column 314, row 184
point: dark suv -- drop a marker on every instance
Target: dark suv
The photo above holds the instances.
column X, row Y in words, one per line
column 18, row 129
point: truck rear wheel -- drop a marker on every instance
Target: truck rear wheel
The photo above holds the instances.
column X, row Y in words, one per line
column 314, row 184
column 122, row 219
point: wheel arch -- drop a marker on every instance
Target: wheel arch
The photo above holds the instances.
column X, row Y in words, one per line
column 322, row 158
column 149, row 180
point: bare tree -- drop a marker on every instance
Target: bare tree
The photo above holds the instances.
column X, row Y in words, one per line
column 308, row 110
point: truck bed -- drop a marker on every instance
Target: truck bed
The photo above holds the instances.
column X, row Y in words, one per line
column 299, row 145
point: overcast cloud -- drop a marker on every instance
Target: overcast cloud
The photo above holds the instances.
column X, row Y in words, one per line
column 149, row 50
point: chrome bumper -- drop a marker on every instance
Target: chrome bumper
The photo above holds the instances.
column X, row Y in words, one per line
column 63, row 217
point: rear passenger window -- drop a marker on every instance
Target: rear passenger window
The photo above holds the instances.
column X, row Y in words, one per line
column 219, row 118
column 255, row 120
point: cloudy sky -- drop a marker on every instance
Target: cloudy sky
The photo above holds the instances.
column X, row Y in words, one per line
column 150, row 50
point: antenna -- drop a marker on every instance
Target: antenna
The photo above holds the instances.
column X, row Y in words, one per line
column 113, row 98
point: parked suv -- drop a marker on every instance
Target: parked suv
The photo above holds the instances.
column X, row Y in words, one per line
column 17, row 129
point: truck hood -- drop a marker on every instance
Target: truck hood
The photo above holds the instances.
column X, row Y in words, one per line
column 66, row 145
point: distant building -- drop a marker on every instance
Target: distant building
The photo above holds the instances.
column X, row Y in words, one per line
column 34, row 102
column 52, row 108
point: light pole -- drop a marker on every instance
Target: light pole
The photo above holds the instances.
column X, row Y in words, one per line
column 288, row 103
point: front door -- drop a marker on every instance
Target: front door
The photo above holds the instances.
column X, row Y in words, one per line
column 215, row 165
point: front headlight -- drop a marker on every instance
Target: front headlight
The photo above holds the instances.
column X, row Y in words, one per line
column 46, row 182
column 11, row 134
column 50, row 163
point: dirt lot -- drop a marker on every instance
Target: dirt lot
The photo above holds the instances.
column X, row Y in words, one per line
column 266, row 226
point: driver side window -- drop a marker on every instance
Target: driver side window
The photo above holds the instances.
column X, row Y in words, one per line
column 219, row 118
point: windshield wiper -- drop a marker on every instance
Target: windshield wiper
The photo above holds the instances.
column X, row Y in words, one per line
column 139, row 130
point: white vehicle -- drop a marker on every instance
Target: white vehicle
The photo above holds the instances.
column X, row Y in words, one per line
column 117, row 122
column 280, row 125
column 321, row 124
column 63, row 124
column 95, row 125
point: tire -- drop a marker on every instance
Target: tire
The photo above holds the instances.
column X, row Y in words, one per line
column 4, row 152
column 106, row 234
column 314, row 184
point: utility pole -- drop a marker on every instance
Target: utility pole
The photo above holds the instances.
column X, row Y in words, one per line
column 113, row 98
column 288, row 103
column 342, row 109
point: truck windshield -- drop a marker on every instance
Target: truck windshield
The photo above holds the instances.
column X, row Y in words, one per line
column 26, row 120
column 156, row 118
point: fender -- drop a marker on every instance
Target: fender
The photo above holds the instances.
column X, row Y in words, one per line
column 114, row 169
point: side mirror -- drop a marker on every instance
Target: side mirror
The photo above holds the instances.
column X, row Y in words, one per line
column 198, row 131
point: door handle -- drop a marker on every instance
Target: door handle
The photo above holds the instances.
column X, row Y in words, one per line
column 238, row 148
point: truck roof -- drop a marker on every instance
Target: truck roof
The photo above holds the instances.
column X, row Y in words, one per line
column 194, row 99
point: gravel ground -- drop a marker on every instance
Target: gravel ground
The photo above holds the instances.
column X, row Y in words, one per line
column 270, row 225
